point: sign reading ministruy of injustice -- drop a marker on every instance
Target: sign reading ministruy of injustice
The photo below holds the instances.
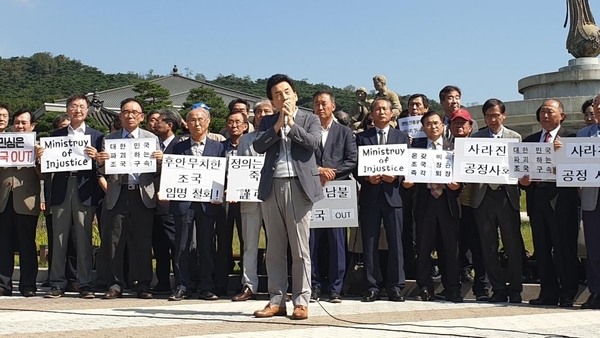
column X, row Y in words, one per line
column 65, row 153
column 482, row 160
column 578, row 162
column 338, row 208
column 192, row 178
column 243, row 177
column 17, row 149
column 533, row 159
column 130, row 155
column 389, row 159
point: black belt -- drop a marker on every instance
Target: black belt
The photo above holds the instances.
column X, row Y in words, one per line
column 130, row 186
column 291, row 178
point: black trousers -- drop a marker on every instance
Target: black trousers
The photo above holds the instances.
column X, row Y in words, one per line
column 438, row 229
column 18, row 234
column 129, row 224
column 555, row 242
column 224, row 256
column 71, row 263
column 409, row 233
column 163, row 246
column 496, row 212
column 471, row 241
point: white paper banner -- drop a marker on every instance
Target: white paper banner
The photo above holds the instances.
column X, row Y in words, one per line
column 17, row 149
column 65, row 153
column 412, row 126
column 429, row 166
column 482, row 160
column 389, row 159
column 533, row 159
column 130, row 155
column 578, row 162
column 243, row 177
column 192, row 178
column 338, row 208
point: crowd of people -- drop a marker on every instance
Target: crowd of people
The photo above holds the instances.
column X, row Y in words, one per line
column 302, row 152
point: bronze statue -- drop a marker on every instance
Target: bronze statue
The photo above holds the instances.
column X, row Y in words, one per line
column 584, row 36
column 361, row 108
column 380, row 82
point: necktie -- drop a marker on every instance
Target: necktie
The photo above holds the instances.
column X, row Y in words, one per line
column 130, row 135
column 124, row 178
column 547, row 137
column 381, row 137
column 162, row 146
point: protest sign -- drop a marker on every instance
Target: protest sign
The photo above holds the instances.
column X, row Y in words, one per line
column 482, row 160
column 130, row 155
column 243, row 176
column 17, row 149
column 389, row 159
column 192, row 178
column 65, row 153
column 339, row 208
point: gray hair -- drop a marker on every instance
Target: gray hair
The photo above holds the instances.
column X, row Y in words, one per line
column 169, row 115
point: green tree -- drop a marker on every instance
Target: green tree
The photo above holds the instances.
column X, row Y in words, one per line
column 152, row 95
column 218, row 109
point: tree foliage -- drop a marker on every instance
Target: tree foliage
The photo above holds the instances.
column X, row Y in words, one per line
column 218, row 109
column 152, row 95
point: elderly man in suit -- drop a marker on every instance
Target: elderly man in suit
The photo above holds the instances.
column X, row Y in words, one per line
column 554, row 221
column 129, row 209
column 591, row 222
column 75, row 196
column 336, row 158
column 497, row 206
column 20, row 204
column 437, row 214
column 166, row 125
column 251, row 213
column 289, row 185
column 380, row 199
column 203, row 214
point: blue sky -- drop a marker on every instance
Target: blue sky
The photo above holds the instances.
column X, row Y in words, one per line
column 484, row 47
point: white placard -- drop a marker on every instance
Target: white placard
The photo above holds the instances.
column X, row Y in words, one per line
column 339, row 208
column 65, row 153
column 412, row 126
column 389, row 159
column 482, row 160
column 130, row 155
column 578, row 162
column 429, row 166
column 243, row 177
column 17, row 149
column 533, row 159
column 192, row 178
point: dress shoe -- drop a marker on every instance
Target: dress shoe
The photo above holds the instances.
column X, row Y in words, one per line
column 244, row 295
column 482, row 296
column 72, row 287
column 269, row 311
column 161, row 290
column 28, row 292
column 593, row 302
column 424, row 295
column 543, row 301
column 4, row 292
column 515, row 297
column 441, row 295
column 454, row 297
column 370, row 296
column 335, row 297
column 178, row 295
column 565, row 302
column 500, row 296
column 315, row 294
column 144, row 295
column 396, row 296
column 86, row 292
column 300, row 312
column 55, row 292
column 112, row 294
column 466, row 276
column 207, row 295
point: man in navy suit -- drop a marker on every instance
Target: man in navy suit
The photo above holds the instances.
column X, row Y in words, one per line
column 554, row 221
column 379, row 200
column 336, row 158
column 202, row 213
column 437, row 214
column 75, row 196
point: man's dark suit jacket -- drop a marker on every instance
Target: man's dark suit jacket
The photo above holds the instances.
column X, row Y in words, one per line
column 422, row 193
column 562, row 199
column 162, row 208
column 339, row 151
column 90, row 193
column 211, row 148
column 369, row 192
column 305, row 136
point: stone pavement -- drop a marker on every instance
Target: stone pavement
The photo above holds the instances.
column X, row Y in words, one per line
column 70, row 316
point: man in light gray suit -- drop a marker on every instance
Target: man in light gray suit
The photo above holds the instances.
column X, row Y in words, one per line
column 591, row 222
column 128, row 210
column 289, row 185
column 497, row 206
column 251, row 213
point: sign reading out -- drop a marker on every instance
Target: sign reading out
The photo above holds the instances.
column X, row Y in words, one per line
column 338, row 208
column 17, row 149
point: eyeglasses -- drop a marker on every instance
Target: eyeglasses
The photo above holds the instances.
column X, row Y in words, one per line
column 200, row 105
column 75, row 107
column 131, row 112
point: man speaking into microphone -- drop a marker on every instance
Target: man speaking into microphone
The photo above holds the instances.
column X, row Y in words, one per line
column 289, row 185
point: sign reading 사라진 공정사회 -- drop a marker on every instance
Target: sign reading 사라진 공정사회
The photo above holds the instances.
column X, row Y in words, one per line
column 482, row 160
column 578, row 162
